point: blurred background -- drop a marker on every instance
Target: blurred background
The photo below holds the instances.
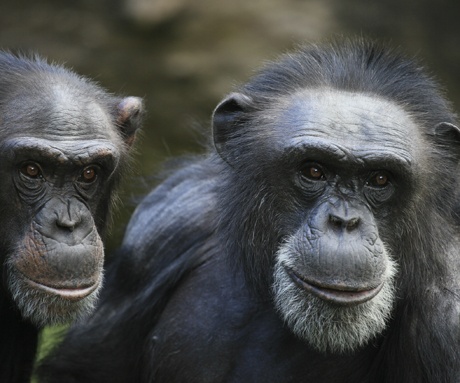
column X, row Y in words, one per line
column 183, row 56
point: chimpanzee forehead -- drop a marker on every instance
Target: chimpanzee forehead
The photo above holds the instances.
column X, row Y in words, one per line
column 354, row 122
column 61, row 113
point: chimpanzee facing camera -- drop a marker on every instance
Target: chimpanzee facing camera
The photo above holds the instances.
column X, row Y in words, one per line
column 315, row 242
column 64, row 143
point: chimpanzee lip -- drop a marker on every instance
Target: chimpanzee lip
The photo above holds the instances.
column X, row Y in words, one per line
column 340, row 295
column 72, row 294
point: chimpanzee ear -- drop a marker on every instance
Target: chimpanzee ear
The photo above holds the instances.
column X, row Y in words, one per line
column 130, row 112
column 226, row 121
column 448, row 134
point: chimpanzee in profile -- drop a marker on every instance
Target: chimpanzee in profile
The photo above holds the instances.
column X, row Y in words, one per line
column 317, row 241
column 64, row 143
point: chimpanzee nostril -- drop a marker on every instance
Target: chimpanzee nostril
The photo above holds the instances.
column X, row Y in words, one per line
column 343, row 223
column 335, row 221
column 352, row 224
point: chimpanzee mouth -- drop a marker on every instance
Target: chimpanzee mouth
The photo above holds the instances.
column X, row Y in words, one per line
column 340, row 295
column 72, row 294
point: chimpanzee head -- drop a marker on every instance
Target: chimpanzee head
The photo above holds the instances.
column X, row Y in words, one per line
column 339, row 162
column 64, row 144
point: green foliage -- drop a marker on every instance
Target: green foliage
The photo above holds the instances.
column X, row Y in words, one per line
column 49, row 338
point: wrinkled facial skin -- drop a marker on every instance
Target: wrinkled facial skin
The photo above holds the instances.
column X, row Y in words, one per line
column 58, row 183
column 334, row 276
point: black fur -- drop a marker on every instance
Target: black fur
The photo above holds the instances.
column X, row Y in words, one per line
column 189, row 297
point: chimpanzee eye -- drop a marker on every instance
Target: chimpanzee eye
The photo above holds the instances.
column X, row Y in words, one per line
column 313, row 172
column 379, row 188
column 31, row 170
column 379, row 180
column 88, row 175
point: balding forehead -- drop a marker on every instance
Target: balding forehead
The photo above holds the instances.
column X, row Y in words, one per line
column 338, row 104
column 73, row 108
column 353, row 118
column 62, row 112
column 352, row 128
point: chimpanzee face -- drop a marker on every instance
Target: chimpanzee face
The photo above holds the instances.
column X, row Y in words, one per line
column 60, row 165
column 349, row 165
column 333, row 170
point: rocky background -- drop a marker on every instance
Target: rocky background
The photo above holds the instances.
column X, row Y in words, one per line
column 184, row 55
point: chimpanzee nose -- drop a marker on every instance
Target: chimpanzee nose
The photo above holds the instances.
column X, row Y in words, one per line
column 65, row 220
column 342, row 223
column 68, row 216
